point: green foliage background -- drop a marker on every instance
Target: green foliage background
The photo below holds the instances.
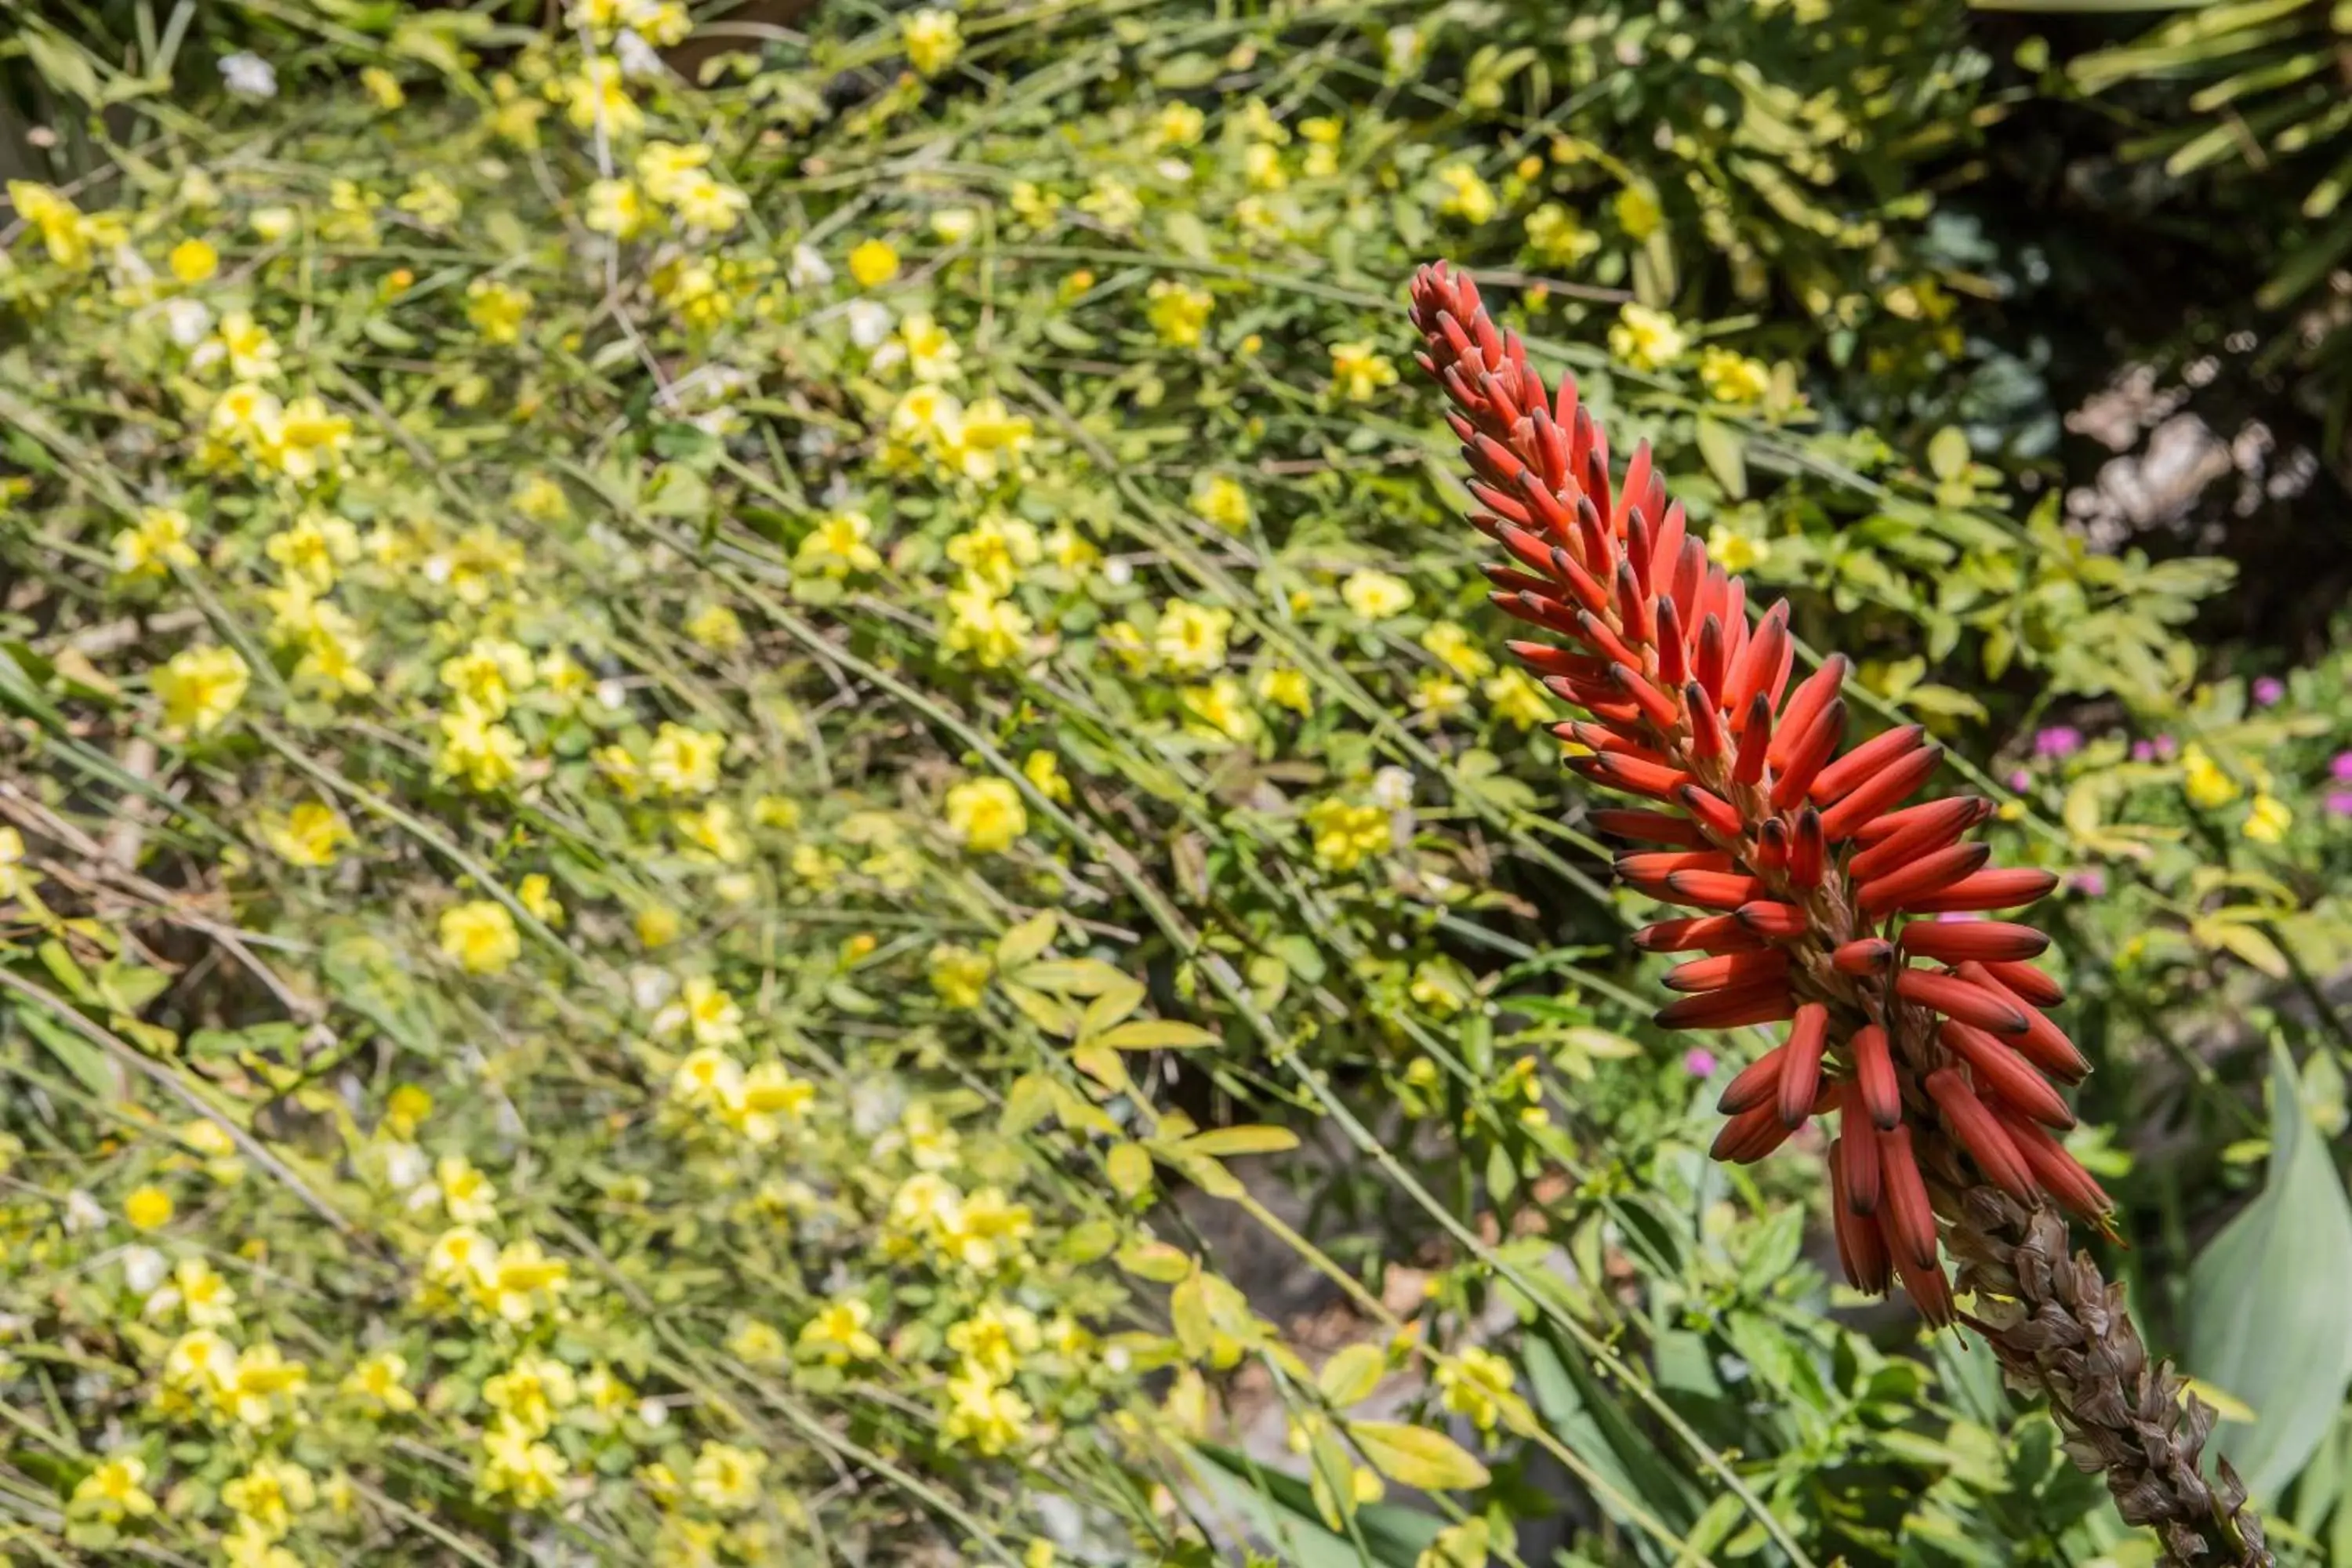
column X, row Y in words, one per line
column 763, row 812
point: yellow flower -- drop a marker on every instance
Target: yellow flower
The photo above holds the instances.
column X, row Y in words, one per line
column 468, row 1195
column 384, row 87
column 1734, row 551
column 837, row 546
column 1179, row 312
column 1286, row 688
column 1191, row 637
column 716, row 627
column 1178, row 125
column 996, row 1338
column 756, row 1343
column 1220, row 708
column 522, row 1280
column 933, row 38
column 487, row 674
column 312, row 551
column 2206, row 784
column 995, row 551
column 114, row 1490
column 727, row 1477
column 1645, row 339
column 1475, row 1384
column 1221, row 502
column 251, row 352
column 1733, row 378
column 273, row 224
column 1455, row 649
column 515, row 1464
column 992, row 629
column 931, row 351
column 1517, row 698
column 496, row 309
column 198, row 1291
column 309, row 834
column 873, row 263
column 1556, row 235
column 987, row 815
column 708, row 1078
column 270, row 1494
column 484, row 754
column 201, row 686
column 193, row 261
column 981, row 1413
column 712, row 830
column 1638, row 212
column 683, row 761
column 157, row 543
column 379, row 1381
column 838, row 1334
column 1358, row 373
column 148, row 1208
column 2268, row 821
column 1467, row 197
column 614, row 208
column 1376, row 595
column 261, row 1386
column 598, row 100
column 1344, row 834
column 531, row 1392
column 1044, row 769
column 658, row 925
column 480, row 935
column 960, row 975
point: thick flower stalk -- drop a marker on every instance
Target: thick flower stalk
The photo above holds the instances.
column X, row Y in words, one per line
column 1917, row 1026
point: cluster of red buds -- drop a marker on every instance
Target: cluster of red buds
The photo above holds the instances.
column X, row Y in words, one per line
column 1829, row 904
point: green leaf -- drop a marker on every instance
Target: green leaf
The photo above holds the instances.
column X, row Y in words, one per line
column 1351, row 1373
column 78, row 1056
column 1130, row 1169
column 1225, row 1142
column 1155, row 1035
column 1725, row 450
column 2266, row 1300
column 1417, row 1456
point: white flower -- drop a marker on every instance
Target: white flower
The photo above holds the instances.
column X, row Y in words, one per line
column 612, row 694
column 143, row 1268
column 639, row 59
column 808, row 269
column 650, row 987
column 249, row 76
column 869, row 323
column 1391, row 789
column 653, row 1413
column 405, row 1165
column 83, row 1212
column 188, row 321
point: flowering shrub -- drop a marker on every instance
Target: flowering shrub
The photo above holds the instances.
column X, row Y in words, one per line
column 753, row 804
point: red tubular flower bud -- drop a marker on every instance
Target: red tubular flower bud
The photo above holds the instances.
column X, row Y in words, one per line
column 1653, row 864
column 1729, row 969
column 1707, row 738
column 1771, row 847
column 1930, row 1291
column 1840, row 777
column 1690, row 570
column 1713, row 889
column 2060, row 1173
column 1612, row 771
column 1550, row 662
column 1532, row 552
column 1769, row 918
column 1801, row 1068
column 1755, row 742
column 1708, row 665
column 1859, row 1175
column 1674, row 653
column 1656, row 705
column 1863, row 955
column 1714, row 813
column 2043, row 1044
column 1815, row 693
column 1883, row 789
column 1861, row 1241
column 1708, row 934
column 1635, row 612
column 1604, row 639
column 1808, row 851
column 1749, row 1136
column 1954, row 942
column 2006, row 888
column 1758, row 1083
column 1880, row 828
column 1874, row 1075
column 1767, row 1003
column 1942, row 822
column 1958, row 998
column 1753, row 669
column 1650, row 826
column 1806, row 755
column 2029, row 982
column 2001, row 1073
column 1991, row 1148
column 1903, row 1205
column 1924, row 877
column 1637, row 537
